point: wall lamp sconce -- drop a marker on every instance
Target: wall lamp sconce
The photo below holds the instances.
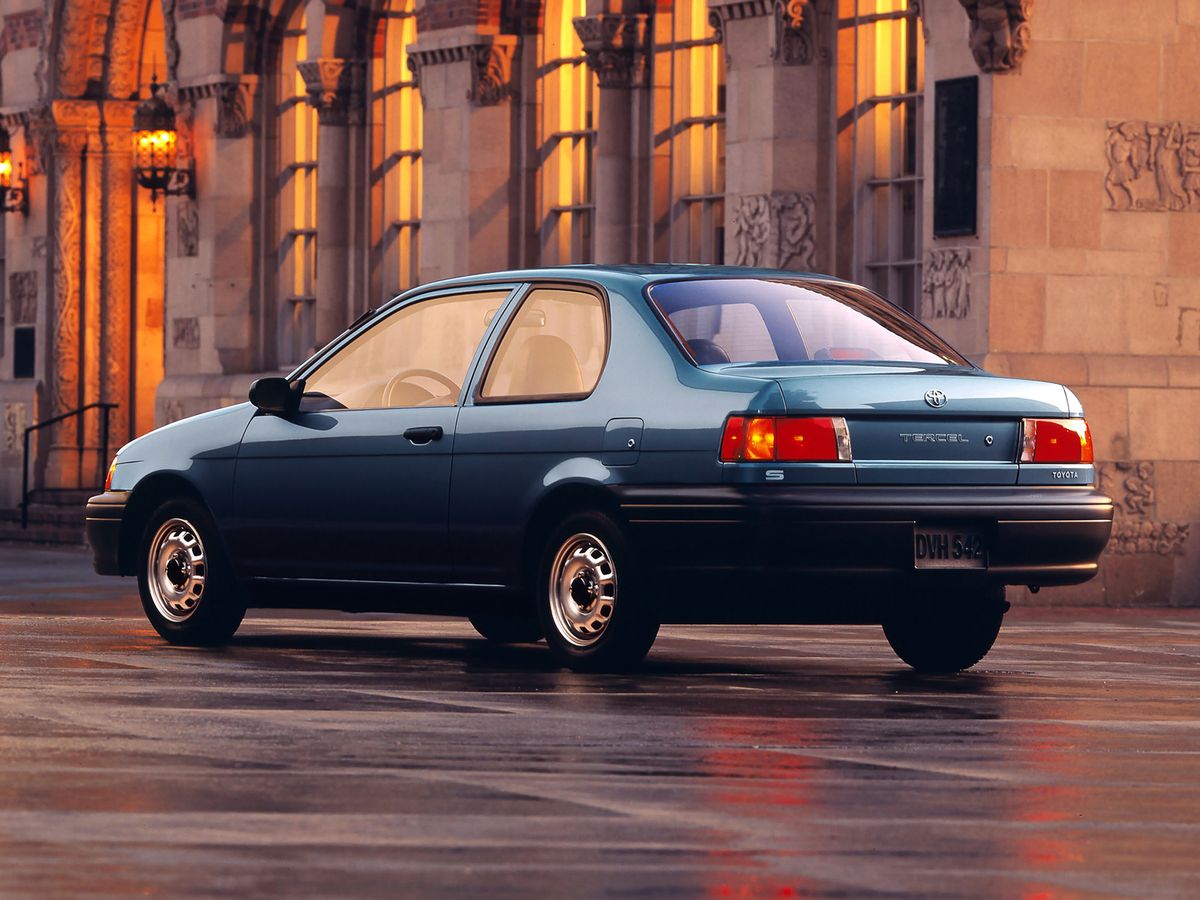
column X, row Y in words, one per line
column 14, row 192
column 154, row 148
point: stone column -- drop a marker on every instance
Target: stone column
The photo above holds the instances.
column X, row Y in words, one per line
column 66, row 132
column 216, row 321
column 777, row 131
column 335, row 89
column 467, row 191
column 116, row 262
column 615, row 45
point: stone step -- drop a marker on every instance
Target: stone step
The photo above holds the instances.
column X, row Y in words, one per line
column 42, row 533
column 72, row 497
column 48, row 524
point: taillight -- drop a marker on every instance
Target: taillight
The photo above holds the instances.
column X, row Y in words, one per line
column 108, row 478
column 785, row 439
column 1056, row 441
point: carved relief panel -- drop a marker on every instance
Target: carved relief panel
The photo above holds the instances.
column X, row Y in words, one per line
column 22, row 294
column 775, row 230
column 187, row 227
column 1135, row 530
column 15, row 422
column 1153, row 166
column 185, row 333
column 946, row 284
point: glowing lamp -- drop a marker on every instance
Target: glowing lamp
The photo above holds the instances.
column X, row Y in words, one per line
column 13, row 190
column 154, row 147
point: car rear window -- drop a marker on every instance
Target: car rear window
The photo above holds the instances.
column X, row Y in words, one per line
column 759, row 320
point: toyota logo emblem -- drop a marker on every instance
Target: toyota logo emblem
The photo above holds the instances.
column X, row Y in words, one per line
column 935, row 398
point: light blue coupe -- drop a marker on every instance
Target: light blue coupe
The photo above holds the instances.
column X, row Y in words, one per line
column 580, row 454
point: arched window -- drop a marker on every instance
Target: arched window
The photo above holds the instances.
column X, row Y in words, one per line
column 689, row 125
column 883, row 106
column 567, row 92
column 147, row 359
column 395, row 136
column 296, row 200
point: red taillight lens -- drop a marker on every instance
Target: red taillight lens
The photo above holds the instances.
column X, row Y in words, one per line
column 785, row 438
column 1056, row 441
column 807, row 439
column 733, row 438
column 760, row 439
column 108, row 478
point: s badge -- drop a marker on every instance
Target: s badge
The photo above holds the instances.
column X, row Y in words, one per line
column 935, row 398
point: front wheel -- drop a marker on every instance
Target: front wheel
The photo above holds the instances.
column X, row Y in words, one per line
column 595, row 606
column 948, row 633
column 188, row 590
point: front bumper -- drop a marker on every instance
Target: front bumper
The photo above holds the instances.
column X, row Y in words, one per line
column 105, row 514
column 1036, row 535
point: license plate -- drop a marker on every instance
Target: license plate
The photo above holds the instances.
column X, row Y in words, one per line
column 948, row 548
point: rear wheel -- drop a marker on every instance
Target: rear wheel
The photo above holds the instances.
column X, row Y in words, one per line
column 515, row 629
column 948, row 633
column 188, row 590
column 596, row 609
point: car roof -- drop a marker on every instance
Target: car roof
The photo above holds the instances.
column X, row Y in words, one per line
column 629, row 276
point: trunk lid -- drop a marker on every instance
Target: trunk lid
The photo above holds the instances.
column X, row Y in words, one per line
column 898, row 437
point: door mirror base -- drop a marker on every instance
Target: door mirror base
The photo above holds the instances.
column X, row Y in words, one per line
column 277, row 395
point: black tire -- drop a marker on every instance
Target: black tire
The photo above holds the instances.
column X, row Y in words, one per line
column 513, row 629
column 613, row 628
column 182, row 533
column 948, row 633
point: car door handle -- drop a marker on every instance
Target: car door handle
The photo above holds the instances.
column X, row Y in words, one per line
column 424, row 435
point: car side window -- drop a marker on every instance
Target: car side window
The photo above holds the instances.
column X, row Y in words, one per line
column 416, row 356
column 554, row 347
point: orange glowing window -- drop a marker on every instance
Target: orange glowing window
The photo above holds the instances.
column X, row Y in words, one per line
column 296, row 201
column 396, row 114
column 568, row 92
column 688, row 111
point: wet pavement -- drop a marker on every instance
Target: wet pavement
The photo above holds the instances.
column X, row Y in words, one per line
column 333, row 755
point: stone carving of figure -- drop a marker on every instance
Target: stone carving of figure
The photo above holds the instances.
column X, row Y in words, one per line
column 1139, row 489
column 1190, row 161
column 1166, row 142
column 1128, row 151
column 797, row 247
column 946, row 283
column 752, row 222
column 14, row 427
column 1000, row 32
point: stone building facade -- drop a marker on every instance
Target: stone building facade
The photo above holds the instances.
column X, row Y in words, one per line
column 1024, row 175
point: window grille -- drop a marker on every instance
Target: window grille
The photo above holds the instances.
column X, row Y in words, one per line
column 887, row 138
column 568, row 93
column 395, row 135
column 296, row 197
column 688, row 109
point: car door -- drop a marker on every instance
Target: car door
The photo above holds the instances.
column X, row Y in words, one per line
column 355, row 485
column 533, row 415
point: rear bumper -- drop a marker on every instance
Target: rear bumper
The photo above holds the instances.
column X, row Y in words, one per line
column 1035, row 535
column 105, row 513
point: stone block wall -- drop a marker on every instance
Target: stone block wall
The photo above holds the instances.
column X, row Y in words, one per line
column 1093, row 258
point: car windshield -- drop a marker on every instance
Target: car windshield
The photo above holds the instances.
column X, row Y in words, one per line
column 759, row 320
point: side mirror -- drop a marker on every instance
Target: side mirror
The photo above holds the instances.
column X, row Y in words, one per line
column 276, row 395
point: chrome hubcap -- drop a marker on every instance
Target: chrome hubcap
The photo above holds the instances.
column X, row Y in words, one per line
column 176, row 570
column 583, row 589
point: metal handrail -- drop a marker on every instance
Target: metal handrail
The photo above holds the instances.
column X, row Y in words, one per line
column 105, row 410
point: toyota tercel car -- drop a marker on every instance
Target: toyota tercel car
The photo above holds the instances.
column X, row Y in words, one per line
column 581, row 454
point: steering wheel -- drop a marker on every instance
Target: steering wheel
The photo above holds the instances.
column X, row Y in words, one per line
column 404, row 375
